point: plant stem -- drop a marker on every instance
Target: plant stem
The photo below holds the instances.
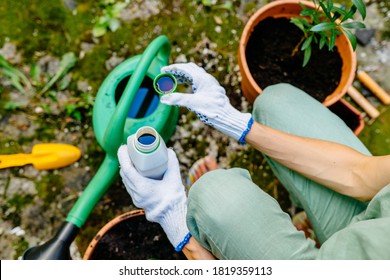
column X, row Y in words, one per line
column 296, row 49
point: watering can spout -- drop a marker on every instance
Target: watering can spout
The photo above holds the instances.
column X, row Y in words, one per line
column 56, row 248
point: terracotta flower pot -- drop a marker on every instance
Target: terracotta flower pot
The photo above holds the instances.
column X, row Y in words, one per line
column 288, row 9
column 131, row 236
column 352, row 117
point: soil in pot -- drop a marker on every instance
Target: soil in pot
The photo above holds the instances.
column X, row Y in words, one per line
column 135, row 239
column 270, row 60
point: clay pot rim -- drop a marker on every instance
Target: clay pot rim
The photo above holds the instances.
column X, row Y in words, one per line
column 92, row 245
column 356, row 112
column 332, row 97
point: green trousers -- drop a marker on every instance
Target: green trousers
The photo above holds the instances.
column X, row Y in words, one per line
column 234, row 219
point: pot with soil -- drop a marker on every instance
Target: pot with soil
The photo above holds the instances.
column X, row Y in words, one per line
column 267, row 55
column 131, row 237
column 349, row 114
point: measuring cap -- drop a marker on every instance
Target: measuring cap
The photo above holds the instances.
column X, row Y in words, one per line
column 164, row 83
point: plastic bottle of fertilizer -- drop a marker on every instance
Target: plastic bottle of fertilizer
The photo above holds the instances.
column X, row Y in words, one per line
column 148, row 152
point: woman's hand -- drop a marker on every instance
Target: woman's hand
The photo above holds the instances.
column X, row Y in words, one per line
column 164, row 201
column 208, row 101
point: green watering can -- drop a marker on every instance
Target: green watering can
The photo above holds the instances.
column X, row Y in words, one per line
column 125, row 101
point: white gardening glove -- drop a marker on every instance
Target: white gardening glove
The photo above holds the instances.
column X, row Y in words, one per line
column 209, row 101
column 164, row 201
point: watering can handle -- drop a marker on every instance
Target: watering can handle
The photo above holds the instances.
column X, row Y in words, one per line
column 158, row 48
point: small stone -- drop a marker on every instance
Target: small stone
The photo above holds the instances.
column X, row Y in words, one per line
column 18, row 231
column 364, row 36
column 20, row 186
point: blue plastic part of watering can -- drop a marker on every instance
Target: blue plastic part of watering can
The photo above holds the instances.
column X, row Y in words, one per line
column 161, row 117
column 138, row 103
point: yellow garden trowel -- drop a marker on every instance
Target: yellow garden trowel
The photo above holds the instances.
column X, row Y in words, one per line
column 43, row 157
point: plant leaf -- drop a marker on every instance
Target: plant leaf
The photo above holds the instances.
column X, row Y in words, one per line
column 114, row 24
column 307, row 42
column 323, row 41
column 35, row 73
column 226, row 6
column 349, row 14
column 353, row 25
column 117, row 9
column 326, row 10
column 359, row 4
column 338, row 10
column 98, row 31
column 306, row 56
column 307, row 12
column 351, row 37
column 10, row 106
column 207, row 3
column 298, row 23
column 329, row 4
column 17, row 77
column 332, row 40
column 323, row 26
column 15, row 81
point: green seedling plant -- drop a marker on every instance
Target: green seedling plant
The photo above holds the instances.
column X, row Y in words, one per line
column 109, row 20
column 21, row 82
column 322, row 25
column 17, row 78
column 227, row 5
column 84, row 103
column 68, row 61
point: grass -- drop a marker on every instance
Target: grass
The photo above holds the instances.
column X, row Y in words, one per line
column 376, row 136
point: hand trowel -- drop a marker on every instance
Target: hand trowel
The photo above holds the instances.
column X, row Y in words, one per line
column 43, row 157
